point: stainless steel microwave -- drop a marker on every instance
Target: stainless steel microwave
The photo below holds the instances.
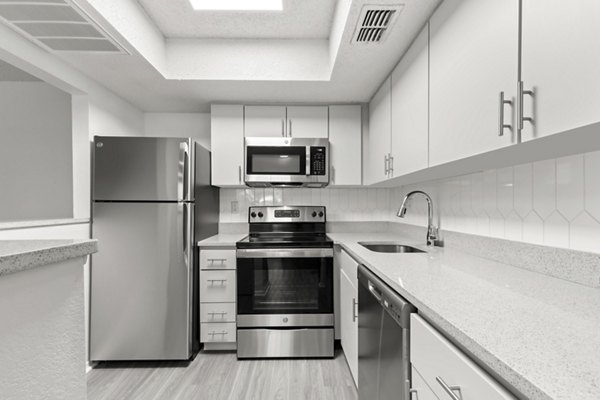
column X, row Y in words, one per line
column 286, row 162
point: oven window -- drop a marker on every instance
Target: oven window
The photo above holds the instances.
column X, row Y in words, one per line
column 285, row 285
column 268, row 160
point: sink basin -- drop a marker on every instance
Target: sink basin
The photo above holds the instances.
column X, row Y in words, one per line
column 389, row 247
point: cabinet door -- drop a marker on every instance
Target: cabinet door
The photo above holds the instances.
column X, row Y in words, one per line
column 227, row 144
column 264, row 121
column 473, row 57
column 380, row 129
column 308, row 122
column 345, row 145
column 561, row 61
column 349, row 322
column 410, row 108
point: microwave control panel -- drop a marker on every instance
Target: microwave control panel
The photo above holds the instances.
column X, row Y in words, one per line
column 318, row 162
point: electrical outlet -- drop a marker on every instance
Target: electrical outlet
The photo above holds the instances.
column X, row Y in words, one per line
column 234, row 207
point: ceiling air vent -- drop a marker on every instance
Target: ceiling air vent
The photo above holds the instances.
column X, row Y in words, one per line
column 374, row 23
column 57, row 25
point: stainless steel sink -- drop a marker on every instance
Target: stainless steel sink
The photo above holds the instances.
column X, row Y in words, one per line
column 385, row 247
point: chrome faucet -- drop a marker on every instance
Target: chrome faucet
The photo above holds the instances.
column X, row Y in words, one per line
column 433, row 232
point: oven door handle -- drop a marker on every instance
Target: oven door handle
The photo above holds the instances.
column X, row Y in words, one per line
column 285, row 253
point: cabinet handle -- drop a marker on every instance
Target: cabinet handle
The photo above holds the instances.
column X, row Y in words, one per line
column 354, row 304
column 212, row 281
column 332, row 174
column 415, row 392
column 501, row 125
column 449, row 389
column 213, row 333
column 240, row 173
column 521, row 92
column 222, row 314
column 213, row 260
column 290, row 130
column 391, row 167
column 386, row 165
column 283, row 128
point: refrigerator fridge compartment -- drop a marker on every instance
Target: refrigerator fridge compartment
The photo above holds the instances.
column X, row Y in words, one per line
column 142, row 282
column 143, row 169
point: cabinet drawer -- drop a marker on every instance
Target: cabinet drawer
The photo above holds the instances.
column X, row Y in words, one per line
column 420, row 388
column 217, row 312
column 217, row 286
column 349, row 266
column 439, row 361
column 218, row 332
column 217, row 259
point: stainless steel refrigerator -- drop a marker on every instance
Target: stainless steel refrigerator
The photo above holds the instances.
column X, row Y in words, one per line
column 152, row 201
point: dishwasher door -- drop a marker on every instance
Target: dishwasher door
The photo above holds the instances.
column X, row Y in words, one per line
column 383, row 340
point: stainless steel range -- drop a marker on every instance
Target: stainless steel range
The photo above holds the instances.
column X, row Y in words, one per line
column 285, row 284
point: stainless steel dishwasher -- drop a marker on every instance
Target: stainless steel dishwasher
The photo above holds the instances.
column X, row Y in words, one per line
column 383, row 340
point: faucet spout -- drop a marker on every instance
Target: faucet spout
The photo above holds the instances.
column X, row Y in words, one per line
column 432, row 231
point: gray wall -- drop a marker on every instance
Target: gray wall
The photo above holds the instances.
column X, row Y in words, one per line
column 36, row 173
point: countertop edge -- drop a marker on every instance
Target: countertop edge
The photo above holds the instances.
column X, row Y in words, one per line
column 31, row 259
column 5, row 226
column 492, row 364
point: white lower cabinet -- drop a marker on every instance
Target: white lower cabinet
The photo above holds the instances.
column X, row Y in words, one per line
column 218, row 298
column 348, row 309
column 419, row 390
column 446, row 370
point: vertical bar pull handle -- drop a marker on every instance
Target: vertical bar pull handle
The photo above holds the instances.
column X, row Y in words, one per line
column 240, row 173
column 386, row 163
column 290, row 129
column 450, row 390
column 501, row 125
column 354, row 304
column 521, row 92
column 391, row 165
column 283, row 128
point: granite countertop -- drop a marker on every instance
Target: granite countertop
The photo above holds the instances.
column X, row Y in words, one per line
column 21, row 255
column 222, row 240
column 538, row 334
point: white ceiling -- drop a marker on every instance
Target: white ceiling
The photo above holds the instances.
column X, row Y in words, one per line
column 300, row 19
column 10, row 73
column 188, row 74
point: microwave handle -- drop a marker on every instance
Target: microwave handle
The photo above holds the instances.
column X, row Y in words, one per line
column 307, row 160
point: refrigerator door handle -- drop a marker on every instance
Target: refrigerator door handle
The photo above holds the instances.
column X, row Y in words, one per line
column 183, row 173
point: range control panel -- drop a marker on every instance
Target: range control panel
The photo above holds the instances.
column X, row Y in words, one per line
column 286, row 214
column 318, row 161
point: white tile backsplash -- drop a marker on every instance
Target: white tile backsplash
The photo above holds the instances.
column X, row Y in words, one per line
column 553, row 202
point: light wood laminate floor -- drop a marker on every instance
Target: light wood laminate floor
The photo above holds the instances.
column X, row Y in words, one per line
column 220, row 376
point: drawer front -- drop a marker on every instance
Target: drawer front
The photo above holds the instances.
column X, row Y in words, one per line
column 217, row 259
column 441, row 363
column 349, row 266
column 222, row 332
column 419, row 388
column 217, row 286
column 217, row 312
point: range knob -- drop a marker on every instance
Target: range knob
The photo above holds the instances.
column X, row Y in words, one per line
column 260, row 214
column 321, row 214
column 253, row 214
column 314, row 214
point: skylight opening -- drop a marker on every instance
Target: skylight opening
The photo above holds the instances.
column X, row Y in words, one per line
column 238, row 5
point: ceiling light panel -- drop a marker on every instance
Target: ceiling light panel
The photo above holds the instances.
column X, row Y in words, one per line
column 238, row 5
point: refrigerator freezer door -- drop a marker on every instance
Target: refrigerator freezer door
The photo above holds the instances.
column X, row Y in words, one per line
column 141, row 282
column 143, row 169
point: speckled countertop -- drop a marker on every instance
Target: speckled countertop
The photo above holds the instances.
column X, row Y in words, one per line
column 538, row 334
column 21, row 255
column 222, row 240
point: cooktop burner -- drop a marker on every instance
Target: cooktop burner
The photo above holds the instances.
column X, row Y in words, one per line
column 286, row 226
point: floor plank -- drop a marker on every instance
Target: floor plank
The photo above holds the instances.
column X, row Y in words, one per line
column 220, row 376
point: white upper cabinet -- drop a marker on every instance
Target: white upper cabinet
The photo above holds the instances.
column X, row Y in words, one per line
column 473, row 57
column 307, row 122
column 345, row 145
column 561, row 62
column 380, row 129
column 410, row 104
column 227, row 145
column 265, row 121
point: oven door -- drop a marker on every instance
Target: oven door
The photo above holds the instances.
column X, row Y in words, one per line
column 293, row 284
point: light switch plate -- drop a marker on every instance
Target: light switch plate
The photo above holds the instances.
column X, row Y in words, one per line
column 234, row 207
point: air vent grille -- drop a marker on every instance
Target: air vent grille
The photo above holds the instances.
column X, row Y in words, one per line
column 57, row 25
column 374, row 23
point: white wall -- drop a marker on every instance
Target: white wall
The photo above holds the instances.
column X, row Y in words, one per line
column 195, row 125
column 36, row 173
